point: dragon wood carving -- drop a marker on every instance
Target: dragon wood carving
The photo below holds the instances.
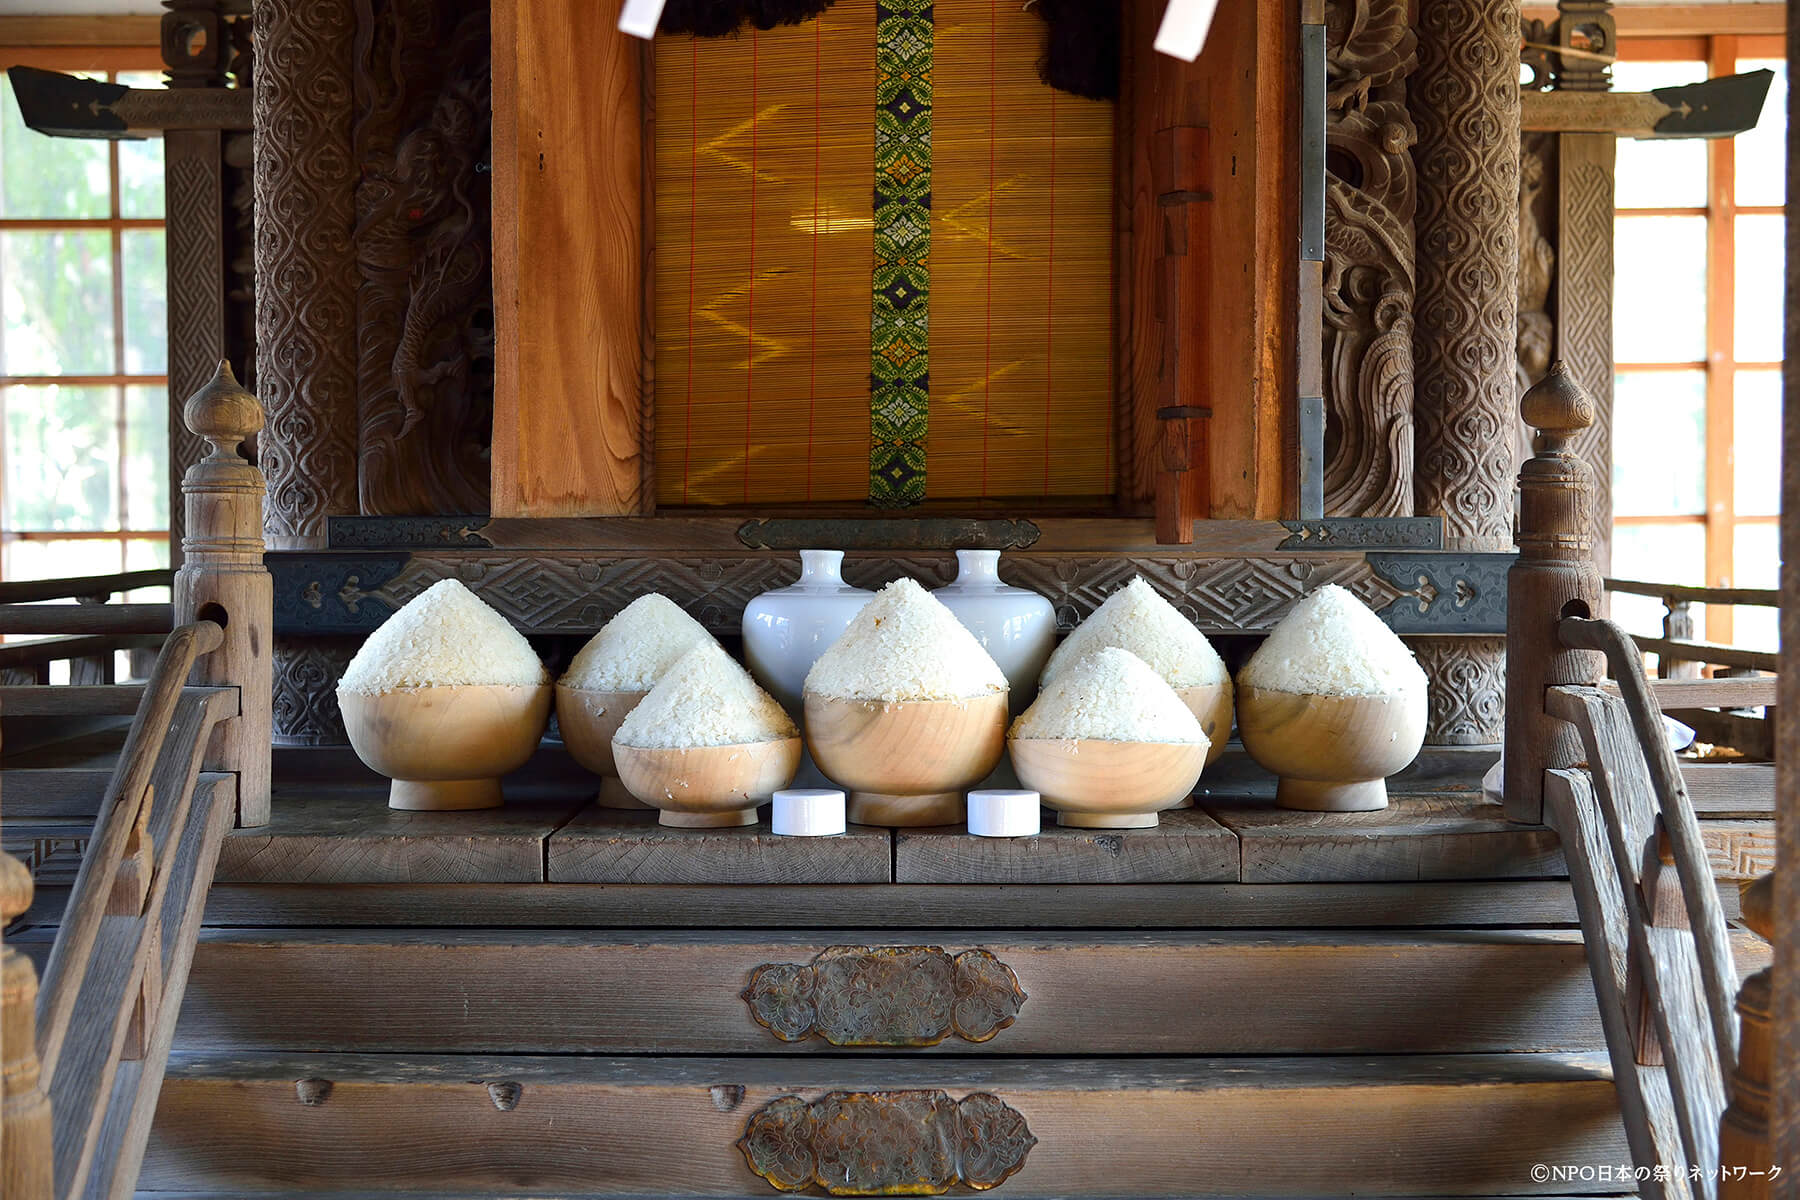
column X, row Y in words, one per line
column 1368, row 260
column 425, row 296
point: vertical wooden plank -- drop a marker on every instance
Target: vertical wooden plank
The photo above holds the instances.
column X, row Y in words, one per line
column 25, row 1154
column 1784, row 1129
column 570, row 247
column 1721, row 366
column 1243, row 89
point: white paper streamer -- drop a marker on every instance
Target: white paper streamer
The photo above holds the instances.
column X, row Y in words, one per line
column 1185, row 25
column 640, row 17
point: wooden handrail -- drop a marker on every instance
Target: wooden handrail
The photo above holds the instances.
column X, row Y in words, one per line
column 1701, row 899
column 1752, row 597
column 124, row 799
column 26, row 655
column 1709, row 652
column 90, row 588
column 86, row 618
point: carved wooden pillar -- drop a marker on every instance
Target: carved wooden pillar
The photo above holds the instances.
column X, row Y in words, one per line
column 306, row 293
column 26, row 1159
column 1369, row 281
column 1464, row 98
column 1554, row 577
column 222, row 579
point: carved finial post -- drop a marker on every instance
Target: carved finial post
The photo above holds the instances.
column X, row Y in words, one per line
column 1555, row 571
column 222, row 579
column 27, row 1161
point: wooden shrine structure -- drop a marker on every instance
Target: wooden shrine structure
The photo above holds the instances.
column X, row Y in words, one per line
column 1356, row 303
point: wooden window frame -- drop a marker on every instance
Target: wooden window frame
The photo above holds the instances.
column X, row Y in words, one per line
column 112, row 59
column 1721, row 52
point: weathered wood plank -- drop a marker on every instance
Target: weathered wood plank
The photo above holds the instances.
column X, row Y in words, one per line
column 70, row 793
column 1731, row 789
column 604, row 845
column 1456, row 836
column 1644, row 1098
column 349, row 835
column 1739, row 850
column 1512, row 903
column 1187, row 846
column 621, row 1127
column 554, row 991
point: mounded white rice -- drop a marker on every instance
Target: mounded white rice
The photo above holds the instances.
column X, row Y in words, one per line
column 905, row 645
column 1110, row 695
column 443, row 637
column 634, row 649
column 705, row 699
column 1135, row 618
column 1331, row 644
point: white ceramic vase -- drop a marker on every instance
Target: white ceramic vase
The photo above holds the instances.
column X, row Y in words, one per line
column 786, row 630
column 1017, row 627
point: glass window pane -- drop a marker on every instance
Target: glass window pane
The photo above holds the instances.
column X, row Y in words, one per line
column 1756, row 449
column 146, row 458
column 1659, row 289
column 1659, row 443
column 141, row 161
column 1757, row 564
column 1761, row 153
column 62, row 458
column 58, row 301
column 61, row 558
column 143, row 554
column 1655, row 554
column 146, row 302
column 1758, row 310
column 43, row 176
column 1659, row 174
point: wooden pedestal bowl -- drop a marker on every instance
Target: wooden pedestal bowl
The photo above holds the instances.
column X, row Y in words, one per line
column 588, row 719
column 1097, row 784
column 1212, row 707
column 1332, row 753
column 707, row 787
column 906, row 762
column 446, row 748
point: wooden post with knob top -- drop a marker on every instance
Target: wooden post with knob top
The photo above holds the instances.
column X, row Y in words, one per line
column 26, row 1158
column 1554, row 577
column 223, row 579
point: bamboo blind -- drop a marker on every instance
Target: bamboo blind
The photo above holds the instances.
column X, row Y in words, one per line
column 765, row 243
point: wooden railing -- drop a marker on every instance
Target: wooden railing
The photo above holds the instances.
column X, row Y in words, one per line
column 1594, row 762
column 93, row 639
column 1678, row 655
column 83, row 1058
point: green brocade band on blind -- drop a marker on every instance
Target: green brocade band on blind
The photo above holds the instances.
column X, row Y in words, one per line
column 883, row 263
column 900, row 322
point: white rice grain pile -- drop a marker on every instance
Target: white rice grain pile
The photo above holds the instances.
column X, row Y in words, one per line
column 905, row 645
column 1111, row 695
column 443, row 637
column 1330, row 644
column 634, row 649
column 705, row 699
column 1135, row 618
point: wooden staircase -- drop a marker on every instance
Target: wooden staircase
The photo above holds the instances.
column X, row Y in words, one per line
column 549, row 1000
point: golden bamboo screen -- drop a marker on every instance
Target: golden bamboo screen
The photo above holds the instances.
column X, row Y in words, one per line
column 844, row 314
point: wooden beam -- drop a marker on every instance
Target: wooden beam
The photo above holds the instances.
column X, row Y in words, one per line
column 90, row 29
column 1686, row 20
column 571, row 255
column 1627, row 114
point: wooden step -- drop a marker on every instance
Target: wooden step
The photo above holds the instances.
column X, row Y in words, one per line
column 548, row 991
column 1391, row 1126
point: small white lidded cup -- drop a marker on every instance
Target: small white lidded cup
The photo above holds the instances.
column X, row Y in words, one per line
column 807, row 812
column 1004, row 812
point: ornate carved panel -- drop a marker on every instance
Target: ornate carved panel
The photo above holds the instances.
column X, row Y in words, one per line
column 886, row 996
column 911, row 1143
column 1584, row 307
column 306, row 295
column 1465, row 100
column 575, row 593
column 306, row 672
column 424, row 321
column 1369, row 210
column 1468, row 689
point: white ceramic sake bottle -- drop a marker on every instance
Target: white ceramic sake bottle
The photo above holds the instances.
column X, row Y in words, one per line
column 786, row 630
column 1016, row 626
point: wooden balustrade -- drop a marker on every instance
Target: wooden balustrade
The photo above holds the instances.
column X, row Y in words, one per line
column 80, row 1088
